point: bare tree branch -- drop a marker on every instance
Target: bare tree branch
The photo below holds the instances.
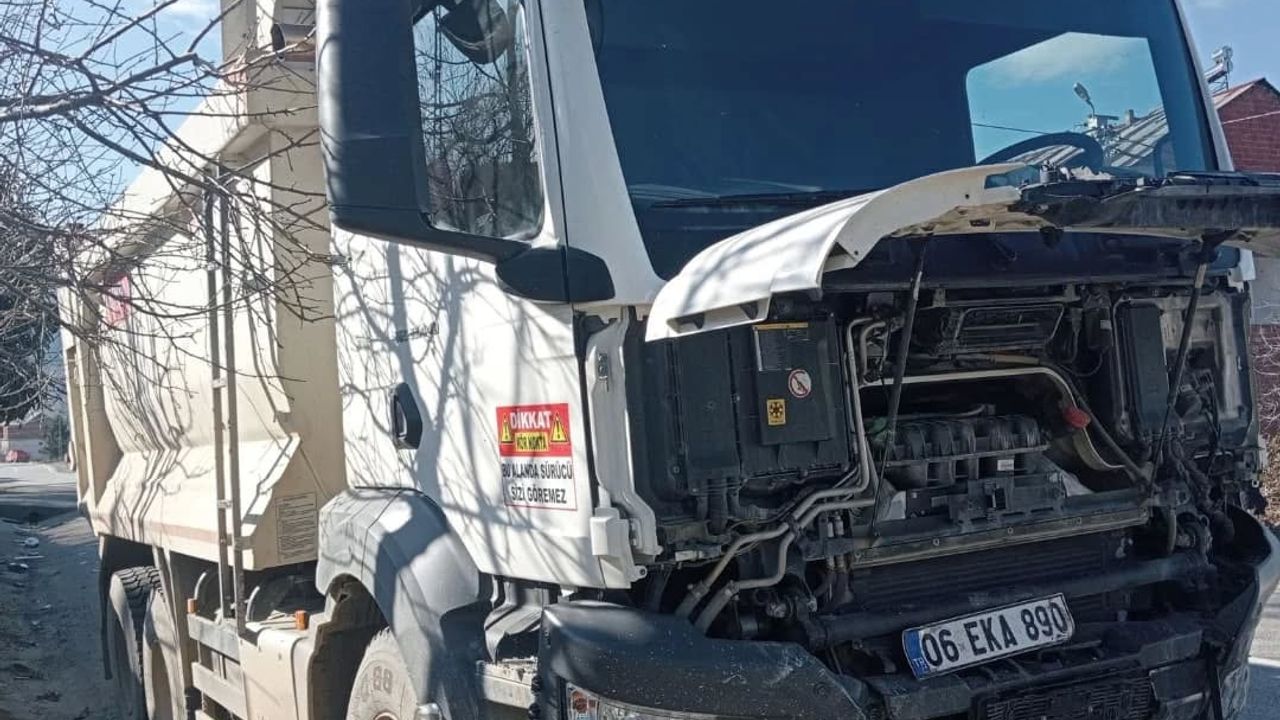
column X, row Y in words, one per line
column 88, row 90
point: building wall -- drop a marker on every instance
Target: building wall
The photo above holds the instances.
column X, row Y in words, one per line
column 1252, row 123
column 33, row 448
column 28, row 437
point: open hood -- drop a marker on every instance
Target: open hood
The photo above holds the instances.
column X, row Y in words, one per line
column 734, row 281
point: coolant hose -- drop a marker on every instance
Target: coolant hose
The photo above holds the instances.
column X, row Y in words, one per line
column 700, row 590
column 1095, row 423
column 718, row 602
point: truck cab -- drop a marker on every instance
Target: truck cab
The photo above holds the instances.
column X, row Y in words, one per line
column 877, row 359
column 883, row 360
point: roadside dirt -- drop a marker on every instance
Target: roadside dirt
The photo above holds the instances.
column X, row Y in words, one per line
column 50, row 660
column 1270, row 482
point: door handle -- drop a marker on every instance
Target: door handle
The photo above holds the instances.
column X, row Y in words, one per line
column 406, row 418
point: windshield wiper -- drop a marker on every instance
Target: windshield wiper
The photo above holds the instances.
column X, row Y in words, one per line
column 786, row 199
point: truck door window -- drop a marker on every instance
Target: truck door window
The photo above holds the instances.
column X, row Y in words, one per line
column 477, row 122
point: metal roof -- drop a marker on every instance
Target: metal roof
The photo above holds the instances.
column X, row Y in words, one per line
column 1131, row 145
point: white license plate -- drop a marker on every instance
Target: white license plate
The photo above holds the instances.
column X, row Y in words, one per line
column 974, row 639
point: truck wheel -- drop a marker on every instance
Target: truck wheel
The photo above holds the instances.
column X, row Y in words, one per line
column 382, row 690
column 127, row 598
column 161, row 678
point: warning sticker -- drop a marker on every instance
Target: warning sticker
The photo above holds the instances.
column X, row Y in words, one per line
column 775, row 411
column 296, row 527
column 536, row 456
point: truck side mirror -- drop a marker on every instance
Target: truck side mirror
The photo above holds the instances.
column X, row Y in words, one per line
column 371, row 132
column 480, row 29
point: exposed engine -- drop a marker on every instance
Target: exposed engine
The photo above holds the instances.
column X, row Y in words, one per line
column 866, row 461
column 970, row 469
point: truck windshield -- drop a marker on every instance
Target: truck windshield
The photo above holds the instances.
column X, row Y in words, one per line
column 730, row 113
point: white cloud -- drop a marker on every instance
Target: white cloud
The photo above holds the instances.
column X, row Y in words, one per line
column 1072, row 55
column 194, row 10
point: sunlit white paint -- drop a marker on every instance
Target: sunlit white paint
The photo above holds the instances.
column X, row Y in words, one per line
column 734, row 281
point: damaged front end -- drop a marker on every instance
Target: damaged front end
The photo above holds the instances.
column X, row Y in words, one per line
column 978, row 446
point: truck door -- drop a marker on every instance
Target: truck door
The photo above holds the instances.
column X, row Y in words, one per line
column 458, row 357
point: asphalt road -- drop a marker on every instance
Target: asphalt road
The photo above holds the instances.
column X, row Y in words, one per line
column 1264, row 694
column 31, row 492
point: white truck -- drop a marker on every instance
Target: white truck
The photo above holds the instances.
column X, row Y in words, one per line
column 728, row 359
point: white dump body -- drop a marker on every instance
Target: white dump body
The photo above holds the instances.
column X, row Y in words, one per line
column 146, row 427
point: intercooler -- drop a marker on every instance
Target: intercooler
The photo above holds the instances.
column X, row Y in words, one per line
column 918, row 583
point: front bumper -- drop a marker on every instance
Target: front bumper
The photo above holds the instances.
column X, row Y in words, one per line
column 1152, row 670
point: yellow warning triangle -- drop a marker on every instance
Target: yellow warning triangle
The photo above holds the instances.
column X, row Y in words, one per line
column 505, row 433
column 557, row 431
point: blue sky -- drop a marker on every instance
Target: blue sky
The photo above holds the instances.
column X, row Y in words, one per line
column 1252, row 27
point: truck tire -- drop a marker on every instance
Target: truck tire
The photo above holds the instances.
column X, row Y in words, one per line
column 161, row 676
column 127, row 598
column 382, row 689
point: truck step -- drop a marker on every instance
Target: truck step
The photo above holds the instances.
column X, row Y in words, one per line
column 219, row 637
column 219, row 690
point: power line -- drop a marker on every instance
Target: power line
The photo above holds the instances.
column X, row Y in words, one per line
column 1011, row 129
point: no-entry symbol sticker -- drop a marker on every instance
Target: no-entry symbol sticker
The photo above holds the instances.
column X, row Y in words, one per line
column 800, row 383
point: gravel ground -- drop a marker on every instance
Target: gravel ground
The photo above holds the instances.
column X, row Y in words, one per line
column 50, row 661
column 1270, row 482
